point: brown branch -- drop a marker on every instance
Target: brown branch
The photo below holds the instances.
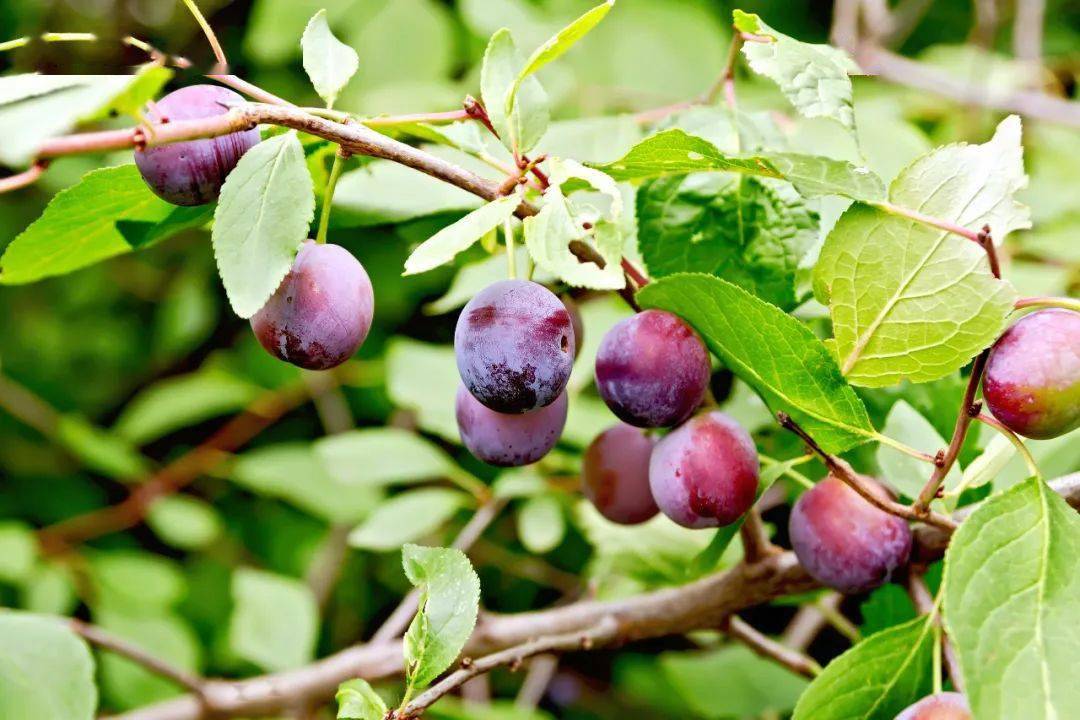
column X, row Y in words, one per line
column 898, row 69
column 924, row 604
column 673, row 611
column 755, row 539
column 809, row 621
column 537, row 679
column 770, row 649
column 969, row 409
column 107, row 641
column 262, row 413
column 860, row 484
column 1028, row 29
column 512, row 656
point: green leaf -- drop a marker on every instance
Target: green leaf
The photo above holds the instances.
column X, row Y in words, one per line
column 181, row 401
column 357, row 701
column 147, row 83
column 275, row 620
column 34, row 107
column 876, row 679
column 814, row 78
column 1012, row 593
column 476, row 276
column 731, row 682
column 559, row 44
column 444, row 245
column 993, row 459
column 450, row 598
column 266, row 206
column 541, row 524
column 273, row 471
column 887, row 606
column 359, row 457
column 18, row 551
column 907, row 300
column 126, row 684
column 109, row 212
column 421, row 377
column 407, row 517
column 184, row 522
column 813, row 175
column 563, row 219
column 750, row 232
column 518, row 109
column 50, row 590
column 46, row 671
column 772, row 352
column 329, row 62
column 905, row 473
column 134, row 581
column 100, row 450
column 676, row 152
column 970, row 185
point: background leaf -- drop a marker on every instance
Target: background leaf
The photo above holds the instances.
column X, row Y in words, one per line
column 262, row 218
column 274, row 620
column 1012, row 593
column 359, row 457
column 732, row 682
column 407, row 517
column 329, row 62
column 540, row 524
column 905, row 473
column 46, row 671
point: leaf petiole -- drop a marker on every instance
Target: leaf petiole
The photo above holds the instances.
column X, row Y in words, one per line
column 328, row 195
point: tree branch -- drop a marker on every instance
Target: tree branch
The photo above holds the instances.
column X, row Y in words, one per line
column 1028, row 29
column 841, row 469
column 924, row 604
column 604, row 631
column 699, row 605
column 755, row 539
column 770, row 649
column 107, row 641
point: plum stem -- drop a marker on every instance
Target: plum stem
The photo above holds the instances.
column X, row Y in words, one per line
column 841, row 469
column 927, row 220
column 1012, row 437
column 328, row 194
column 14, row 44
column 1047, row 301
column 211, row 37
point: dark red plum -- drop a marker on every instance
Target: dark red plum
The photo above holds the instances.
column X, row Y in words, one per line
column 508, row 440
column 845, row 542
column 321, row 313
column 515, row 346
column 943, row 706
column 652, row 369
column 1032, row 382
column 192, row 172
column 615, row 475
column 705, row 473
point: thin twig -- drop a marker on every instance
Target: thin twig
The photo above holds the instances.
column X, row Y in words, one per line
column 398, row 620
column 1047, row 301
column 808, row 622
column 107, row 641
column 1012, row 437
column 924, row 604
column 251, row 90
column 1028, row 30
column 755, row 538
column 537, row 678
column 841, row 469
column 604, row 631
column 770, row 649
column 26, row 177
column 211, row 37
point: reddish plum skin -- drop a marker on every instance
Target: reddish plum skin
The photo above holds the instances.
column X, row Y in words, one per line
column 321, row 313
column 705, row 474
column 192, row 173
column 1032, row 382
column 615, row 475
column 515, row 346
column 943, row 706
column 845, row 542
column 652, row 369
column 508, row 440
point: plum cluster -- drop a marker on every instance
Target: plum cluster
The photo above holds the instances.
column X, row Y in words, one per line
column 322, row 311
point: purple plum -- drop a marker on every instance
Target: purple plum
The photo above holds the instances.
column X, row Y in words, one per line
column 615, row 475
column 515, row 346
column 508, row 440
column 652, row 369
column 321, row 313
column 942, row 706
column 845, row 542
column 705, row 473
column 1032, row 382
column 192, row 172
